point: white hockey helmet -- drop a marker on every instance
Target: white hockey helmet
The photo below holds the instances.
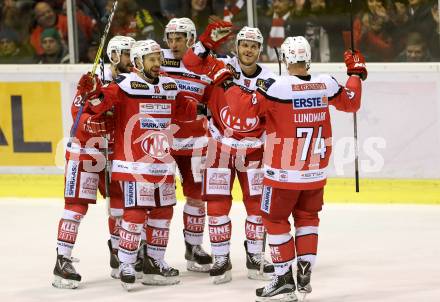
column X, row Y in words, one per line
column 181, row 25
column 296, row 49
column 118, row 44
column 250, row 34
column 142, row 48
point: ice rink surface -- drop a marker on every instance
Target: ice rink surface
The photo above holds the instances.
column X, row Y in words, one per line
column 380, row 253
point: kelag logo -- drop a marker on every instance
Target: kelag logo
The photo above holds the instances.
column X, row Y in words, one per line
column 30, row 123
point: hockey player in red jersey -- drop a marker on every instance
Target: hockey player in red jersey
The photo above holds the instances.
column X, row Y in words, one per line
column 297, row 151
column 235, row 148
column 190, row 141
column 84, row 174
column 144, row 105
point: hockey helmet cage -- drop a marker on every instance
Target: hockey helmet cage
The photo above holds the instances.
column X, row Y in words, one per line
column 118, row 44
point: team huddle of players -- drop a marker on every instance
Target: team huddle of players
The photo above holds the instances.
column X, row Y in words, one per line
column 156, row 110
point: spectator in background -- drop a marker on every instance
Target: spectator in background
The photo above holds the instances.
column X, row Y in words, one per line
column 200, row 12
column 399, row 16
column 416, row 49
column 277, row 26
column 316, row 32
column 54, row 51
column 91, row 52
column 420, row 16
column 46, row 18
column 376, row 43
column 300, row 8
column 11, row 51
column 235, row 11
column 434, row 35
column 132, row 21
column 16, row 15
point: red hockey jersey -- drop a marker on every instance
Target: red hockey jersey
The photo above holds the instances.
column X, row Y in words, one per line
column 192, row 134
column 85, row 146
column 299, row 133
column 243, row 134
column 143, row 134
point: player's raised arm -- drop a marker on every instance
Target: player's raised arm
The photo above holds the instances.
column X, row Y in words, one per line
column 198, row 59
column 348, row 98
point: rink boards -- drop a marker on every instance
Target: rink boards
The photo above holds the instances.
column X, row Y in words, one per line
column 341, row 190
column 398, row 132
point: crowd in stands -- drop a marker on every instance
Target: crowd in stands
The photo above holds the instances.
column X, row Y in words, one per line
column 33, row 31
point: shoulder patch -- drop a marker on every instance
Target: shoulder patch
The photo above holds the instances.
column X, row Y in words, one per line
column 234, row 71
column 138, row 85
column 119, row 78
column 169, row 86
column 265, row 84
column 171, row 62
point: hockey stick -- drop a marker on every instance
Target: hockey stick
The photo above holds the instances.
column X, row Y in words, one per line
column 355, row 135
column 95, row 65
column 278, row 59
column 107, row 162
column 263, row 250
column 263, row 253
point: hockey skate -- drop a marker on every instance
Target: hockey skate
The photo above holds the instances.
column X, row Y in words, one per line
column 253, row 264
column 221, row 269
column 65, row 275
column 280, row 289
column 139, row 264
column 158, row 272
column 303, row 278
column 127, row 275
column 114, row 261
column 197, row 259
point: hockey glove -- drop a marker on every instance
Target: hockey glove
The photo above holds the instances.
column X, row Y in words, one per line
column 215, row 34
column 100, row 125
column 355, row 63
column 88, row 85
column 220, row 75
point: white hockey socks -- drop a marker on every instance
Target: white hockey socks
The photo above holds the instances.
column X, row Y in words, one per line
column 194, row 224
column 254, row 234
column 282, row 251
column 130, row 236
column 158, row 231
column 114, row 226
column 220, row 229
column 67, row 232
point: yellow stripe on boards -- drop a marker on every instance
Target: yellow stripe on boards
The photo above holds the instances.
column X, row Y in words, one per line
column 341, row 190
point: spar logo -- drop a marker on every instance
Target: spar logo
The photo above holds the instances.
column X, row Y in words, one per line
column 90, row 185
column 257, row 179
column 236, row 123
column 146, row 192
column 156, row 145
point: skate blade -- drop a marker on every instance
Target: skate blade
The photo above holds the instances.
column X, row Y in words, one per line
column 150, row 279
column 303, row 297
column 287, row 297
column 225, row 278
column 115, row 273
column 255, row 275
column 59, row 282
column 139, row 275
column 193, row 266
column 127, row 286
